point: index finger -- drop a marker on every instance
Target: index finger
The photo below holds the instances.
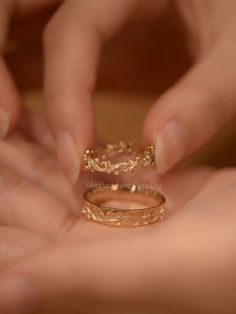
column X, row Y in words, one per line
column 72, row 42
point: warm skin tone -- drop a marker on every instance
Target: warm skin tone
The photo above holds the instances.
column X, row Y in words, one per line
column 181, row 120
column 52, row 261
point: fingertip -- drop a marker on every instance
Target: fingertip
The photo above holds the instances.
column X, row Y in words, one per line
column 170, row 146
column 4, row 123
column 9, row 101
column 8, row 118
column 68, row 155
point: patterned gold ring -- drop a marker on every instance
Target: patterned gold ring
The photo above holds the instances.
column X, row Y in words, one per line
column 130, row 157
column 142, row 206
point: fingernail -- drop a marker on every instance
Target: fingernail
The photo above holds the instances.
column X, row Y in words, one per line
column 16, row 296
column 171, row 146
column 4, row 123
column 68, row 156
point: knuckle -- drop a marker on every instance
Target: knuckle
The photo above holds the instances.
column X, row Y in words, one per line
column 61, row 20
column 210, row 103
column 209, row 98
column 204, row 101
column 50, row 31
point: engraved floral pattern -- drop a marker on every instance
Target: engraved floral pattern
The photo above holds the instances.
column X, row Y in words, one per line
column 96, row 160
column 123, row 219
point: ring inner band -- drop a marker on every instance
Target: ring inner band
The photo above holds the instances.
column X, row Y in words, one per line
column 124, row 196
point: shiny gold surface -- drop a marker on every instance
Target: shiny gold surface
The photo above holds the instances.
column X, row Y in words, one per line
column 102, row 205
column 103, row 159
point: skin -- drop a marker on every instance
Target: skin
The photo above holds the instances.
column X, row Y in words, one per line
column 199, row 236
column 182, row 119
column 186, row 264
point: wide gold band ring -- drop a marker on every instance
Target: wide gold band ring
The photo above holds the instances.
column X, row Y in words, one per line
column 129, row 157
column 142, row 206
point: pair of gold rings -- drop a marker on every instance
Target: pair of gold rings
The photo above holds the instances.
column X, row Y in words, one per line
column 122, row 205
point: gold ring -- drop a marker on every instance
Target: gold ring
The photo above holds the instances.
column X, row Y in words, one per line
column 142, row 206
column 99, row 159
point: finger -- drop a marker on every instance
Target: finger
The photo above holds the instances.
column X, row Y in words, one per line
column 25, row 205
column 9, row 95
column 72, row 43
column 37, row 165
column 33, row 123
column 191, row 113
column 16, row 243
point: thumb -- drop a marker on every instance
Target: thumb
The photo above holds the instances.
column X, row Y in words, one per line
column 191, row 112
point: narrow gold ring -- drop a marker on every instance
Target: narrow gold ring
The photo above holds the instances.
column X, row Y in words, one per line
column 103, row 159
column 97, row 206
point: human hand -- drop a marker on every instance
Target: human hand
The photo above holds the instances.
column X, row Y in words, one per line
column 183, row 265
column 182, row 120
column 37, row 202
